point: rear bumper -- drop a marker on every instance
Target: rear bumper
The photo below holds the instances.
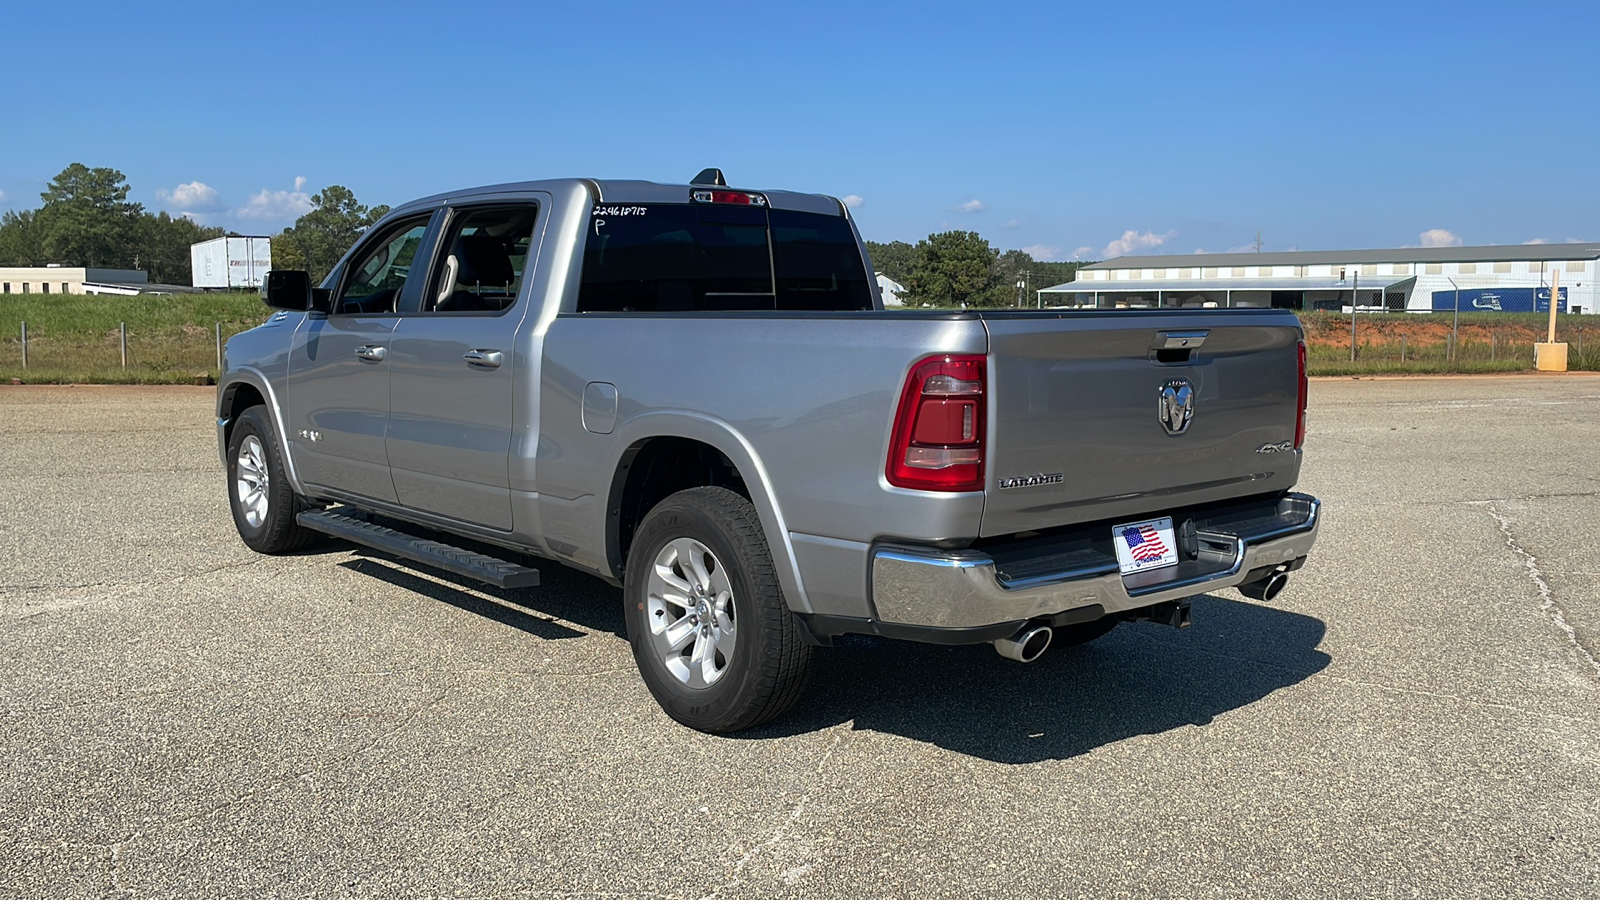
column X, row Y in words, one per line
column 964, row 591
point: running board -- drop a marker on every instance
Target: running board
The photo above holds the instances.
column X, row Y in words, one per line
column 472, row 565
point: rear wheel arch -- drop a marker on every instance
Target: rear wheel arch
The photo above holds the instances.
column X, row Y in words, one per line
column 653, row 469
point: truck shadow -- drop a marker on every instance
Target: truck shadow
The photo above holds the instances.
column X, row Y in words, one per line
column 562, row 594
column 1139, row 679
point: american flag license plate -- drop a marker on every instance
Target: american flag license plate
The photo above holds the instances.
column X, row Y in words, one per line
column 1145, row 545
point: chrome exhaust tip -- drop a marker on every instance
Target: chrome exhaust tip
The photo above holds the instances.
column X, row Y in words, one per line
column 1266, row 588
column 1026, row 645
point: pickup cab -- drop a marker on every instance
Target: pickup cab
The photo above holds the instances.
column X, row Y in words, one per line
column 695, row 393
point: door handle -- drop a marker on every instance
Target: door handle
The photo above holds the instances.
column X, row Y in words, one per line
column 374, row 352
column 485, row 359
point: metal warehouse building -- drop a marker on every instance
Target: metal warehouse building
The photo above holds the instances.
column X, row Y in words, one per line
column 71, row 280
column 1515, row 278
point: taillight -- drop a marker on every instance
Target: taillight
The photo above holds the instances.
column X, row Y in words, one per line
column 1300, row 405
column 937, row 442
column 737, row 198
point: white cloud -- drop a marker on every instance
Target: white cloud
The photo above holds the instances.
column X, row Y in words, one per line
column 1242, row 248
column 1081, row 252
column 1536, row 241
column 1041, row 253
column 194, row 197
column 971, row 206
column 1438, row 237
column 1132, row 240
column 852, row 201
column 1014, row 223
column 277, row 206
column 3, row 197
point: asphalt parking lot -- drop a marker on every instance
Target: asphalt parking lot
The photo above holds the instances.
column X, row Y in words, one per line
column 1417, row 716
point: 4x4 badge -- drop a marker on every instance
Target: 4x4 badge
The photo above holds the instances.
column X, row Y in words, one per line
column 1176, row 406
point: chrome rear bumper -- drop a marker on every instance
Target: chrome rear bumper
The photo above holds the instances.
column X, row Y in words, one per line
column 963, row 589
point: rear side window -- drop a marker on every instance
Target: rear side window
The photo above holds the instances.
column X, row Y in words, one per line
column 679, row 257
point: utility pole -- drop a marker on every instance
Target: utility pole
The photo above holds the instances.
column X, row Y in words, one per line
column 1455, row 329
column 1258, row 240
column 1355, row 297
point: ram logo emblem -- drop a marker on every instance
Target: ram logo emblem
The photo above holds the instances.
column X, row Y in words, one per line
column 1175, row 408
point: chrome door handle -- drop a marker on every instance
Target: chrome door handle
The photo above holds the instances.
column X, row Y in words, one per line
column 485, row 359
column 373, row 352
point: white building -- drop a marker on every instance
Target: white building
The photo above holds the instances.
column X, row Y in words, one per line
column 54, row 279
column 1515, row 278
column 890, row 290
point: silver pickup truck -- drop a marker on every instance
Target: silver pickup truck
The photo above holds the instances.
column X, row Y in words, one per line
column 694, row 393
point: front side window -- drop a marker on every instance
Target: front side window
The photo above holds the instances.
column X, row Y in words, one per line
column 380, row 271
column 679, row 257
column 485, row 260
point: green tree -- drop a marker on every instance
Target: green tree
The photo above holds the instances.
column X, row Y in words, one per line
column 953, row 268
column 893, row 260
column 19, row 239
column 162, row 246
column 87, row 219
column 319, row 238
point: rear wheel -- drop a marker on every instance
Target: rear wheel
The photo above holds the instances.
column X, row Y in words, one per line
column 710, row 630
column 264, row 503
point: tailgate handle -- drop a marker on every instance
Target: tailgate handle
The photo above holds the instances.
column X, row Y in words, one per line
column 1176, row 348
column 1180, row 340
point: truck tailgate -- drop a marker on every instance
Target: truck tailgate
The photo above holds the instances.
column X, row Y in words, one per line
column 1078, row 396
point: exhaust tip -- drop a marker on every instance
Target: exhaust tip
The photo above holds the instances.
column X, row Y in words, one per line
column 1267, row 588
column 1026, row 645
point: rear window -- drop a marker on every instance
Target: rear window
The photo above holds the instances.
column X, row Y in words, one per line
column 676, row 257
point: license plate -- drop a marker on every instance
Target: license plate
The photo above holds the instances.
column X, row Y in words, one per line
column 1145, row 545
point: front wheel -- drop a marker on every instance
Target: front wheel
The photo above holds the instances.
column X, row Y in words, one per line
column 264, row 502
column 710, row 630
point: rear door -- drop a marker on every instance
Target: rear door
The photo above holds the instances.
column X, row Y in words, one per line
column 1088, row 421
column 455, row 365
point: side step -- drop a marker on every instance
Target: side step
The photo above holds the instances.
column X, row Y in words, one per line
column 497, row 572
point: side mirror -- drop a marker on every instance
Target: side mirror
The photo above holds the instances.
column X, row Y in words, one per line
column 291, row 289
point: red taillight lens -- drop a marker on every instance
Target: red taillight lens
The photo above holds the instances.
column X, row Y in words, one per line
column 1300, row 406
column 737, row 198
column 937, row 442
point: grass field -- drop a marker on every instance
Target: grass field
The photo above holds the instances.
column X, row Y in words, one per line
column 77, row 339
column 1420, row 343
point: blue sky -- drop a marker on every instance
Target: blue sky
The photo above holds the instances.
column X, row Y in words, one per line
column 1081, row 130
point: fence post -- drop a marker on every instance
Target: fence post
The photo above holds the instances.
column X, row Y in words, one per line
column 1402, row 348
column 1494, row 344
column 219, row 348
column 122, row 328
column 25, row 345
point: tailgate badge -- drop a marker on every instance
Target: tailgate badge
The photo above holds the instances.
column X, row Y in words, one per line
column 1030, row 480
column 1176, row 407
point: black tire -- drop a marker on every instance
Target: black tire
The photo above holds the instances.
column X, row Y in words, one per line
column 769, row 664
column 276, row 531
column 1083, row 632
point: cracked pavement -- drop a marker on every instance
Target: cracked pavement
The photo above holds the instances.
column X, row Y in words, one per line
column 1417, row 715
